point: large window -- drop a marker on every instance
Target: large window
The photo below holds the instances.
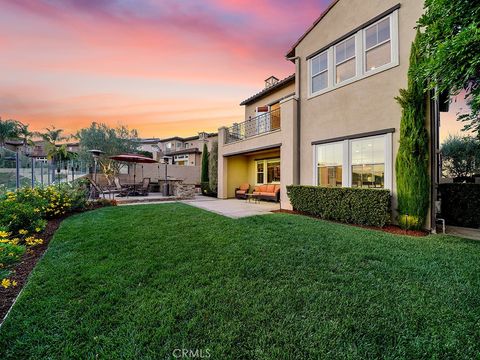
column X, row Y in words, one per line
column 345, row 64
column 370, row 50
column 378, row 46
column 329, row 164
column 270, row 168
column 273, row 171
column 364, row 162
column 319, row 69
column 368, row 162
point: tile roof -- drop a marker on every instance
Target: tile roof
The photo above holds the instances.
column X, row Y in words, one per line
column 269, row 90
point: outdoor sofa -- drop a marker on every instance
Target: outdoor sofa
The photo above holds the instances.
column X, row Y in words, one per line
column 269, row 192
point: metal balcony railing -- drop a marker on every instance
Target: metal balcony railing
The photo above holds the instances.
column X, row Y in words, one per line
column 260, row 124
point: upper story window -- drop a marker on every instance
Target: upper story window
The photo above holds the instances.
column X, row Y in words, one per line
column 368, row 51
column 319, row 69
column 169, row 145
column 345, row 64
column 378, row 46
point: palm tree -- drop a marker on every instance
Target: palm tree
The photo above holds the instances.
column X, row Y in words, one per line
column 9, row 130
column 25, row 136
column 54, row 151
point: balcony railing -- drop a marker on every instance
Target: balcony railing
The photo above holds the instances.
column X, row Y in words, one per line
column 260, row 124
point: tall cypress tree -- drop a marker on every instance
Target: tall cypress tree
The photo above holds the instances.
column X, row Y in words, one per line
column 413, row 183
column 204, row 175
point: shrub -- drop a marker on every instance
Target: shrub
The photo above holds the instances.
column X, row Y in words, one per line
column 461, row 204
column 206, row 190
column 413, row 183
column 16, row 216
column 204, row 174
column 213, row 168
column 349, row 205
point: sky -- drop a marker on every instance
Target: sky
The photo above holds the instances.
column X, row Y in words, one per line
column 163, row 67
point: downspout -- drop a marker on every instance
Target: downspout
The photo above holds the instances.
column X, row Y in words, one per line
column 434, row 157
column 297, row 97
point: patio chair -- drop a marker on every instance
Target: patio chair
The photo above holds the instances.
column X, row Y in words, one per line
column 145, row 185
column 96, row 188
column 119, row 189
column 242, row 191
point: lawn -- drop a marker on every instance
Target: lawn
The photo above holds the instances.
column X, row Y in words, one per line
column 138, row 282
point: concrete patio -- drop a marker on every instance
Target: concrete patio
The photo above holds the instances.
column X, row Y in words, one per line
column 233, row 208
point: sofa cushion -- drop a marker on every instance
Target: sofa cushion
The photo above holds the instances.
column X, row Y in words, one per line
column 270, row 188
column 263, row 188
column 240, row 192
column 277, row 188
column 244, row 186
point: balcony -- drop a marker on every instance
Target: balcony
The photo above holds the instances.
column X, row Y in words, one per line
column 261, row 124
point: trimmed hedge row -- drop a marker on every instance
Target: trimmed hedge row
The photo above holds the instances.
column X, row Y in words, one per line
column 350, row 205
column 461, row 204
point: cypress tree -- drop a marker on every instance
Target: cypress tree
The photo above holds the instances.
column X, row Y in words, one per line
column 413, row 183
column 204, row 176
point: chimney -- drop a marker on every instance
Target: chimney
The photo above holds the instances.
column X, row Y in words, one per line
column 272, row 80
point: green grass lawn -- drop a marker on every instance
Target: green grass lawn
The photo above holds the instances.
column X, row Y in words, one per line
column 138, row 282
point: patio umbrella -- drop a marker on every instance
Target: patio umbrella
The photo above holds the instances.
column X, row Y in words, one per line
column 135, row 159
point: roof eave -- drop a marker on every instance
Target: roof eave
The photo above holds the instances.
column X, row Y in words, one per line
column 291, row 53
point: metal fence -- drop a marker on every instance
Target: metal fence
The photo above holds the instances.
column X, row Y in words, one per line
column 18, row 170
column 260, row 124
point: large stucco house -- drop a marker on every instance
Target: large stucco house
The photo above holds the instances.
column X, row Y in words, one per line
column 334, row 122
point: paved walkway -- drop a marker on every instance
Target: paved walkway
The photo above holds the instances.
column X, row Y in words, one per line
column 233, row 208
column 467, row 233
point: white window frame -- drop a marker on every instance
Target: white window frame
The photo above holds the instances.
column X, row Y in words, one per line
column 393, row 54
column 327, row 70
column 344, row 61
column 360, row 58
column 265, row 175
column 347, row 160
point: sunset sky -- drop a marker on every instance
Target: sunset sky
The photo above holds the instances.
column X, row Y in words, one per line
column 165, row 67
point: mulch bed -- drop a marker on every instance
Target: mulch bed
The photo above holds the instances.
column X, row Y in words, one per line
column 392, row 229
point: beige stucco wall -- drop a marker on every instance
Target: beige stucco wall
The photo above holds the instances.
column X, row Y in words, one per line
column 266, row 100
column 365, row 105
column 236, row 155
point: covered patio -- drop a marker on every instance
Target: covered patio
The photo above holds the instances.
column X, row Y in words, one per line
column 253, row 168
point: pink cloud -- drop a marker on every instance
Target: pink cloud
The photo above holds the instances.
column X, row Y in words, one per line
column 54, row 46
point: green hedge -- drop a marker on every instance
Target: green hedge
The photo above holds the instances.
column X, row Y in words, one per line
column 350, row 205
column 461, row 204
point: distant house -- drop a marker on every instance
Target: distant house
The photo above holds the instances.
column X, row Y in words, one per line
column 185, row 151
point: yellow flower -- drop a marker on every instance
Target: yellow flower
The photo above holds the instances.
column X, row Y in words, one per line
column 11, row 254
column 6, row 283
column 37, row 210
column 4, row 234
column 23, row 232
column 38, row 229
column 14, row 283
